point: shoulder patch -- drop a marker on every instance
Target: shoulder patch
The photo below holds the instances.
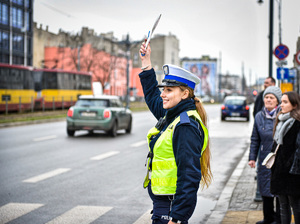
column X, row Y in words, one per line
column 184, row 118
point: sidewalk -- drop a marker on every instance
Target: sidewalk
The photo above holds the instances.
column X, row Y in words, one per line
column 236, row 204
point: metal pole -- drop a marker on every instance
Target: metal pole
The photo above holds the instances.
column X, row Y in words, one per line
column 128, row 58
column 78, row 56
column 32, row 104
column 271, row 38
column 6, row 105
column 20, row 104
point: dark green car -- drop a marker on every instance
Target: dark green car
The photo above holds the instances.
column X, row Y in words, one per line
column 102, row 112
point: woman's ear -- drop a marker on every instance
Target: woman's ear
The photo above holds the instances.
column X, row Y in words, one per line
column 185, row 94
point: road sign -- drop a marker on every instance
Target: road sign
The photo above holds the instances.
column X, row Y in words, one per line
column 298, row 57
column 286, row 87
column 281, row 51
column 282, row 73
column 292, row 73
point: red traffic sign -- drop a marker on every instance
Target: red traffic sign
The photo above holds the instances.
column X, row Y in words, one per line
column 281, row 51
column 298, row 57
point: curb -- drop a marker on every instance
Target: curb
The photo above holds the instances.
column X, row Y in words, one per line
column 13, row 124
column 222, row 205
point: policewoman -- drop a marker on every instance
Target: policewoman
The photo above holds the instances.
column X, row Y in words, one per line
column 179, row 154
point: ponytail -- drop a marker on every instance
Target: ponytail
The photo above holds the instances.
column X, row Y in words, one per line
column 206, row 155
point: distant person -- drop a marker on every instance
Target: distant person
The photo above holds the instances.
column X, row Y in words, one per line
column 285, row 173
column 259, row 102
column 261, row 145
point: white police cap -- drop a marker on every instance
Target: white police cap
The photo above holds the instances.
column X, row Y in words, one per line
column 176, row 76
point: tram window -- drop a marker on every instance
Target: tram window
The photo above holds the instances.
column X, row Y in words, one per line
column 28, row 80
column 4, row 78
column 16, row 79
column 50, row 80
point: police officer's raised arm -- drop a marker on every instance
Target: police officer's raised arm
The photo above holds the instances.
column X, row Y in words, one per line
column 149, row 83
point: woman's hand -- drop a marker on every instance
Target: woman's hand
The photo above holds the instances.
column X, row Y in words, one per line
column 145, row 55
column 170, row 222
column 251, row 163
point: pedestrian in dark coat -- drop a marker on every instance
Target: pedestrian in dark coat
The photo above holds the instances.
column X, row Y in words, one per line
column 285, row 175
column 261, row 145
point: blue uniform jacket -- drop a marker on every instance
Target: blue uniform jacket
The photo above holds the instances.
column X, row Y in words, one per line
column 261, row 145
column 188, row 140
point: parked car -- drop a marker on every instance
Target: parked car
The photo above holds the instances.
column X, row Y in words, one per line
column 207, row 99
column 235, row 106
column 102, row 112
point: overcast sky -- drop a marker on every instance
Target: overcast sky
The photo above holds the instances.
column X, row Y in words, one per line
column 235, row 29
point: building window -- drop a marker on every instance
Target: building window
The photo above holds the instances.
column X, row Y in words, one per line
column 28, row 23
column 4, row 40
column 19, row 2
column 18, row 42
column 29, row 49
column 3, row 14
column 27, row 3
column 17, row 17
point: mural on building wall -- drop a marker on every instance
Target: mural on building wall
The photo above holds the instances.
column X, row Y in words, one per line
column 107, row 69
column 207, row 72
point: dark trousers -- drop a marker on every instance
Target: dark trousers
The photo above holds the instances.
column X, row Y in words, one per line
column 268, row 210
column 286, row 202
column 162, row 207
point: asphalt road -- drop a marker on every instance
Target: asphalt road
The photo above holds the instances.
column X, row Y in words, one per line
column 48, row 177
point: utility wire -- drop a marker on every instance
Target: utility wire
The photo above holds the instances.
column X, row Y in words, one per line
column 57, row 10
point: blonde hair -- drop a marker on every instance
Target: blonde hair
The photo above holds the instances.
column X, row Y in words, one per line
column 205, row 158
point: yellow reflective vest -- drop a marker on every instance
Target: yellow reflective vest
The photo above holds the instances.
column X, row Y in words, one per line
column 164, row 168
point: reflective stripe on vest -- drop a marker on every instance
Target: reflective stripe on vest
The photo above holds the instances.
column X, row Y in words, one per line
column 164, row 168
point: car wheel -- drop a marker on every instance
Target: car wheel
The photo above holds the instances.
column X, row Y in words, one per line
column 223, row 118
column 248, row 118
column 91, row 132
column 113, row 130
column 128, row 129
column 70, row 132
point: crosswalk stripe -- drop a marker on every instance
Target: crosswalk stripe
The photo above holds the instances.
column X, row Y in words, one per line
column 46, row 175
column 105, row 155
column 80, row 215
column 138, row 144
column 144, row 219
column 12, row 211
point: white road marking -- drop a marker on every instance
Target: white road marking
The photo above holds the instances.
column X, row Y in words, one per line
column 80, row 215
column 12, row 211
column 138, row 144
column 105, row 155
column 144, row 219
column 46, row 175
column 44, row 138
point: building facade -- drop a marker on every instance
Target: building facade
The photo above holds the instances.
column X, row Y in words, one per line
column 16, row 32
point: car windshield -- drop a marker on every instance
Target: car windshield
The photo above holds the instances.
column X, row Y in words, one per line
column 92, row 103
column 234, row 102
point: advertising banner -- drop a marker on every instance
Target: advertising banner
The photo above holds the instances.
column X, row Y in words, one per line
column 207, row 72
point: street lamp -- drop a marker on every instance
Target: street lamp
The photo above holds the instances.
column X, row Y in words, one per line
column 270, row 35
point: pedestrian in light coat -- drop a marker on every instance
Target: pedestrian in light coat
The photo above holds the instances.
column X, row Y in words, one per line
column 261, row 145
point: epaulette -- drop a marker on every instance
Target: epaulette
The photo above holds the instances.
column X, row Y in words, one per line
column 184, row 118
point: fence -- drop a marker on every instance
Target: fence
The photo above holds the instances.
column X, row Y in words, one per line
column 21, row 104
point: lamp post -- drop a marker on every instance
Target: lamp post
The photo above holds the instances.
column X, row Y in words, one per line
column 271, row 9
